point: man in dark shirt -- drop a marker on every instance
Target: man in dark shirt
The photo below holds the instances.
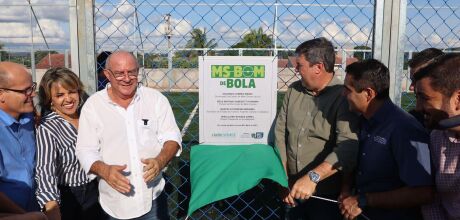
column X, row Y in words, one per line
column 393, row 173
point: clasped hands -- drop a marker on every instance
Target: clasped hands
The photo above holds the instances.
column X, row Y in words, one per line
column 304, row 188
column 113, row 174
column 349, row 206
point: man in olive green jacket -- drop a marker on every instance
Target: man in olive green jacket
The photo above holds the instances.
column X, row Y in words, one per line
column 316, row 134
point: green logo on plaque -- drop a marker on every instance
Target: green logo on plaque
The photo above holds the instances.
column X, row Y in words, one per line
column 238, row 76
column 237, row 71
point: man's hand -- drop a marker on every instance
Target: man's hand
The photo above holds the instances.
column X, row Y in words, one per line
column 303, row 188
column 152, row 168
column 113, row 176
column 343, row 195
column 283, row 193
column 52, row 211
column 349, row 207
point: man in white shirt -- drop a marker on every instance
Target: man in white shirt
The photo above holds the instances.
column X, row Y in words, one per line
column 127, row 135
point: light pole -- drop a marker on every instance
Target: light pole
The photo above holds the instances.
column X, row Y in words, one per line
column 168, row 35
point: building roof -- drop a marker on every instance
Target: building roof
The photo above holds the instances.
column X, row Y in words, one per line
column 53, row 60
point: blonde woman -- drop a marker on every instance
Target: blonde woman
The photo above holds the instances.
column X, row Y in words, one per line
column 64, row 189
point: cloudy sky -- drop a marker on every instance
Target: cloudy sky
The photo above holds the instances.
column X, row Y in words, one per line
column 347, row 22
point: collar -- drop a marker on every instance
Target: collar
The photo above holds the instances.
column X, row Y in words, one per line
column 52, row 115
column 105, row 94
column 7, row 120
column 334, row 81
column 382, row 113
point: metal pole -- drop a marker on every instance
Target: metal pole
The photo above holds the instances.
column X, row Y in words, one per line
column 32, row 53
column 168, row 33
column 275, row 28
column 388, row 46
column 49, row 59
column 408, row 80
column 73, row 32
column 379, row 30
column 86, row 42
column 66, row 58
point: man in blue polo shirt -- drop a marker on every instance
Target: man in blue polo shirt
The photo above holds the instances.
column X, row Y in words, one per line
column 17, row 140
column 393, row 174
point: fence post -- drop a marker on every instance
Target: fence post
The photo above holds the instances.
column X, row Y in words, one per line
column 388, row 46
column 85, row 44
column 344, row 60
column 275, row 30
column 32, row 50
column 66, row 58
column 73, row 32
column 408, row 79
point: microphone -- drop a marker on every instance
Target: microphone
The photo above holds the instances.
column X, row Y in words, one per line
column 450, row 122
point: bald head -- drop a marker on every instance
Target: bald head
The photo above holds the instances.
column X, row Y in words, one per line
column 119, row 55
column 9, row 69
column 15, row 80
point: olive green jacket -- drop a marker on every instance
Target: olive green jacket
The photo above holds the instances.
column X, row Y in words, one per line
column 312, row 129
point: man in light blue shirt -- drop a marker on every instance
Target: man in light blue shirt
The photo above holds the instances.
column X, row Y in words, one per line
column 17, row 140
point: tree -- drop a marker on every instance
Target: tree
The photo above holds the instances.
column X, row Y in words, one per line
column 360, row 55
column 3, row 54
column 256, row 38
column 198, row 40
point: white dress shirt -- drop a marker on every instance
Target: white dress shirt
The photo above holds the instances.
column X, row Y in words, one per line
column 118, row 136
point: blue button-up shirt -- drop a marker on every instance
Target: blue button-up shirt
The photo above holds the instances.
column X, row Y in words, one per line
column 393, row 153
column 17, row 159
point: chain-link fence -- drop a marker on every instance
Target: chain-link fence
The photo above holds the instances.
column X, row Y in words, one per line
column 429, row 24
column 33, row 36
column 168, row 36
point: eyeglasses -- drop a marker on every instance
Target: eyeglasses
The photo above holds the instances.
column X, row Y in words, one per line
column 118, row 75
column 27, row 91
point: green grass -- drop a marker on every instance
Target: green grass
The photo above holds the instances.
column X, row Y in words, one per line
column 407, row 101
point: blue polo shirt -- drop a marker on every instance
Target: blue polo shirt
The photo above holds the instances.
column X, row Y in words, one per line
column 393, row 153
column 17, row 159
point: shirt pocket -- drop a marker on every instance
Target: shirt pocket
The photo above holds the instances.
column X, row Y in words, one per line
column 147, row 130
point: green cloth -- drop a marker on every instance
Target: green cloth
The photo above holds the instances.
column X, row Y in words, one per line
column 219, row 172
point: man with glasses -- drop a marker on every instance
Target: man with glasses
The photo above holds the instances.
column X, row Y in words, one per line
column 17, row 143
column 127, row 135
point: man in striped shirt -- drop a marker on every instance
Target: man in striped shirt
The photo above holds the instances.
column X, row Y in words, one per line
column 127, row 135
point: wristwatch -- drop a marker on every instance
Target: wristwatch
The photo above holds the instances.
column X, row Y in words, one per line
column 362, row 201
column 314, row 176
